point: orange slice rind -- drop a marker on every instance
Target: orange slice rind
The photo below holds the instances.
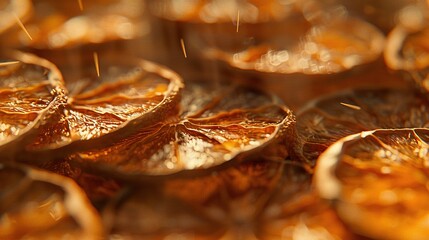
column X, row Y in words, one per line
column 31, row 90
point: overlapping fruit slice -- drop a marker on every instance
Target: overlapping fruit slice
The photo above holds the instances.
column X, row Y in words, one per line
column 331, row 47
column 128, row 94
column 214, row 126
column 36, row 204
column 378, row 180
column 324, row 121
column 64, row 24
column 253, row 200
column 31, row 89
column 11, row 10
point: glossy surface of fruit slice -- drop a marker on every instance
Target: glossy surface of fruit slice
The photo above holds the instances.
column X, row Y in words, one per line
column 128, row 94
column 378, row 181
column 326, row 120
column 31, row 90
column 37, row 204
column 214, row 126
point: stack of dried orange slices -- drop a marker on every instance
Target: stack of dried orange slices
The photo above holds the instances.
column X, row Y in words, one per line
column 117, row 147
column 368, row 148
column 137, row 123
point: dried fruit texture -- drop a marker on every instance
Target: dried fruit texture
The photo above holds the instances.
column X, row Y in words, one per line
column 63, row 24
column 216, row 11
column 379, row 181
column 254, row 200
column 214, row 126
column 127, row 94
column 10, row 10
column 37, row 204
column 31, row 89
column 335, row 46
column 324, row 121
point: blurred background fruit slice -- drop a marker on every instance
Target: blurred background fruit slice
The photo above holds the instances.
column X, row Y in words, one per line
column 11, row 10
column 61, row 24
column 331, row 47
column 407, row 49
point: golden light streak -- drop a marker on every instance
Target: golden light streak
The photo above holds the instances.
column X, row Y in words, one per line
column 238, row 19
column 351, row 106
column 80, row 4
column 97, row 65
column 22, row 26
column 183, row 47
column 2, row 64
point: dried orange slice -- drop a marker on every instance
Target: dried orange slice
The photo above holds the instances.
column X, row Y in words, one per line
column 331, row 47
column 129, row 93
column 214, row 126
column 216, row 11
column 253, row 200
column 11, row 10
column 378, row 180
column 324, row 121
column 37, row 204
column 31, row 89
column 64, row 24
column 231, row 26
